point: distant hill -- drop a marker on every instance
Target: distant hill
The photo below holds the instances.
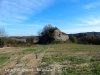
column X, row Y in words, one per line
column 87, row 33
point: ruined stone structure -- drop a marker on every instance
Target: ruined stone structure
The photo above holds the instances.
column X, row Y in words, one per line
column 60, row 36
column 57, row 36
column 36, row 39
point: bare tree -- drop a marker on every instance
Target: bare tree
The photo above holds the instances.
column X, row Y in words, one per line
column 3, row 33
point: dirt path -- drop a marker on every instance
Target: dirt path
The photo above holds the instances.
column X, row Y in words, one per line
column 7, row 66
column 20, row 65
column 42, row 55
column 24, row 64
column 56, row 67
column 10, row 49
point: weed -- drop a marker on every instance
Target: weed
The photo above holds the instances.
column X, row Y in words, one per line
column 95, row 58
column 95, row 68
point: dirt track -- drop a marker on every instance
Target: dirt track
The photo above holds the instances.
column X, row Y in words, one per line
column 21, row 64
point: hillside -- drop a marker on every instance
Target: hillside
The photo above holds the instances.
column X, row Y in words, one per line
column 88, row 33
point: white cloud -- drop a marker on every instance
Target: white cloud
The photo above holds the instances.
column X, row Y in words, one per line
column 91, row 20
column 86, row 24
column 92, row 5
column 17, row 11
column 82, row 29
column 88, row 21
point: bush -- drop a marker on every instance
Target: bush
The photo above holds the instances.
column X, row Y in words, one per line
column 11, row 41
column 73, row 39
column 1, row 42
column 30, row 39
column 90, row 40
column 3, row 34
column 46, row 35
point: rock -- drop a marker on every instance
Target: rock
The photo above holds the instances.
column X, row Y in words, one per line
column 36, row 39
column 54, row 36
column 60, row 36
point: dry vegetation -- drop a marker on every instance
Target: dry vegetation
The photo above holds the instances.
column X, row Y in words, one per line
column 52, row 59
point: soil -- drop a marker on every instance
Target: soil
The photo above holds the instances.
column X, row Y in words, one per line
column 19, row 64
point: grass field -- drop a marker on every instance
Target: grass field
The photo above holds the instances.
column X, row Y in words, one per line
column 52, row 59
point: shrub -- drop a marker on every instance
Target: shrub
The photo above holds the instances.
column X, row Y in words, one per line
column 1, row 42
column 90, row 40
column 30, row 39
column 73, row 39
column 46, row 35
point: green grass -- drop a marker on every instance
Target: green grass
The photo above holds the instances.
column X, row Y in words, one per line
column 95, row 68
column 78, row 59
column 95, row 58
column 27, row 51
column 35, row 48
column 4, row 57
column 74, row 59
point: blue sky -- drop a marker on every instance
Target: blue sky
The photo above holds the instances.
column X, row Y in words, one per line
column 27, row 17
